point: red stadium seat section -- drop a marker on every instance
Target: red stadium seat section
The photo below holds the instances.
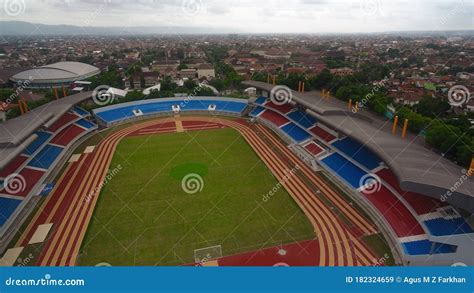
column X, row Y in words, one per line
column 322, row 134
column 397, row 215
column 421, row 204
column 62, row 121
column 67, row 135
column 274, row 118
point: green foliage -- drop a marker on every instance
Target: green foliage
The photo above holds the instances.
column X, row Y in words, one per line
column 432, row 107
column 110, row 77
column 190, row 84
column 322, row 80
column 167, row 84
column 335, row 62
column 218, row 84
column 417, row 122
column 5, row 94
column 260, row 76
column 291, row 80
column 133, row 96
column 182, row 66
column 154, row 94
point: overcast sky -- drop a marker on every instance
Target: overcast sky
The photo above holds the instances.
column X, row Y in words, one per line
column 258, row 16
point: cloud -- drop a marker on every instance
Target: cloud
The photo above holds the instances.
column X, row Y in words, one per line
column 284, row 16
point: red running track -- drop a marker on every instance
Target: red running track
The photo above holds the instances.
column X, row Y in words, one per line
column 54, row 208
column 303, row 253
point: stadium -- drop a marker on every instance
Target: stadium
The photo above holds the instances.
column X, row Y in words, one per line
column 61, row 74
column 285, row 179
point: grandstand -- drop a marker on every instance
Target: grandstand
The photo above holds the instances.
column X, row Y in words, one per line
column 31, row 153
column 415, row 222
column 118, row 113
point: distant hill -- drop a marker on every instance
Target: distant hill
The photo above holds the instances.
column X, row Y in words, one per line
column 21, row 28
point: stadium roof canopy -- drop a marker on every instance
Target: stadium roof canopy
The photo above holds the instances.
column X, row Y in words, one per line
column 56, row 74
column 417, row 168
column 17, row 133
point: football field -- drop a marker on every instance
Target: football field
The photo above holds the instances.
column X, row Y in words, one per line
column 168, row 195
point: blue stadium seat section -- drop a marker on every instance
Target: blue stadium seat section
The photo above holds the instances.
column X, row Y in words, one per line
column 358, row 152
column 46, row 157
column 7, row 207
column 445, row 227
column 228, row 106
column 295, row 132
column 85, row 123
column 427, row 247
column 80, row 111
column 35, row 145
column 256, row 111
column 345, row 169
column 302, row 118
column 117, row 114
column 125, row 112
column 260, row 100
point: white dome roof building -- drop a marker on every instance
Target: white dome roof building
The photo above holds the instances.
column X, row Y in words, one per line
column 55, row 75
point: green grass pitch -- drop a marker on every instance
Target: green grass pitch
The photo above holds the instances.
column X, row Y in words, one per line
column 143, row 216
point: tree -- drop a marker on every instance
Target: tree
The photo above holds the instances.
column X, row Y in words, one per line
column 154, row 94
column 134, row 95
column 182, row 66
column 322, row 80
column 432, row 107
column 189, row 84
column 167, row 84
